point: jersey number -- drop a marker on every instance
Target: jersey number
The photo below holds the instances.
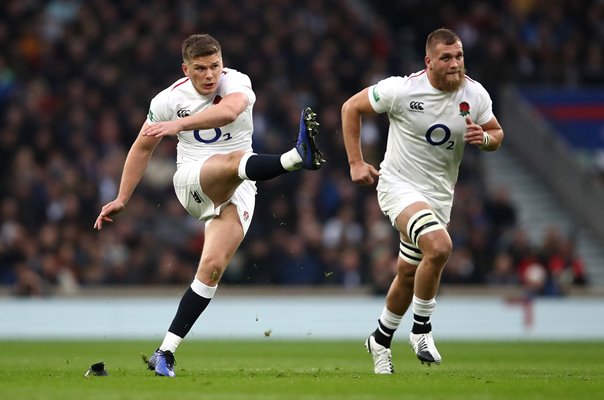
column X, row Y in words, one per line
column 443, row 140
column 217, row 136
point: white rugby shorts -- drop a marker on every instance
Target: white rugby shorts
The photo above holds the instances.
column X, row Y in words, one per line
column 198, row 204
column 394, row 198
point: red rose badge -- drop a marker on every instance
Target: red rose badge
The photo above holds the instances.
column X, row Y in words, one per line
column 464, row 108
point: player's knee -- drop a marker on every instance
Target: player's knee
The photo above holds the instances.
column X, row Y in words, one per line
column 438, row 250
column 211, row 269
column 210, row 278
column 225, row 162
column 234, row 157
column 216, row 275
column 406, row 272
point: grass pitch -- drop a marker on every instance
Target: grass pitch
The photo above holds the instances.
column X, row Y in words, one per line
column 310, row 369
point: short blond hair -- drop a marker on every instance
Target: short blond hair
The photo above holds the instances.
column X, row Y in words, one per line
column 441, row 35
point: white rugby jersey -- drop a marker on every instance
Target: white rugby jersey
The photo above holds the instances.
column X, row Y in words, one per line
column 425, row 139
column 181, row 99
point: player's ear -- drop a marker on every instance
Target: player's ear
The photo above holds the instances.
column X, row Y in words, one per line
column 185, row 69
column 427, row 61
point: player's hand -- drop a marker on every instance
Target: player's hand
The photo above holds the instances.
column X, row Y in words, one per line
column 109, row 210
column 161, row 129
column 474, row 134
column 362, row 173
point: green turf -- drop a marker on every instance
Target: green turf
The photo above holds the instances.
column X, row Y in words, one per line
column 311, row 369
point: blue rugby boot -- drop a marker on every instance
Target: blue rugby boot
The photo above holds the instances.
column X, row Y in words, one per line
column 162, row 362
column 306, row 145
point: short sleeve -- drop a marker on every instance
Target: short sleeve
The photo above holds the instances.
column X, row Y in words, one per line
column 159, row 108
column 485, row 111
column 236, row 82
column 385, row 94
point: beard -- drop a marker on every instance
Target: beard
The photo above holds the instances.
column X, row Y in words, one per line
column 449, row 82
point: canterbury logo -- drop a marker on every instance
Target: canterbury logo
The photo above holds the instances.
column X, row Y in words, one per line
column 183, row 113
column 196, row 197
column 416, row 105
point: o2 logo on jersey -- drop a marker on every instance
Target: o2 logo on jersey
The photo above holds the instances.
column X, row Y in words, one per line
column 439, row 134
column 218, row 135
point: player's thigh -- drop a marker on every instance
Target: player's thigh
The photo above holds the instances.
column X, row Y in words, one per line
column 225, row 231
column 223, row 235
column 400, row 205
column 424, row 234
column 219, row 177
column 418, row 221
column 189, row 192
column 404, row 217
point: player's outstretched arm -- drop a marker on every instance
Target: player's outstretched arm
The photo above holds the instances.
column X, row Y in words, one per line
column 136, row 162
column 352, row 111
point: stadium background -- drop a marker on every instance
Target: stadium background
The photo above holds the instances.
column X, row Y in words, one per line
column 76, row 78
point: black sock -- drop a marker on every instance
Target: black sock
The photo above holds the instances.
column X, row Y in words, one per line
column 262, row 167
column 421, row 324
column 190, row 308
column 383, row 335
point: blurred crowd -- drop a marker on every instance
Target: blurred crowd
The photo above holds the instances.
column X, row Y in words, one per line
column 76, row 79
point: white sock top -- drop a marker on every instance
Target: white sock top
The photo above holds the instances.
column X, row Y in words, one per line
column 203, row 290
column 242, row 164
column 390, row 319
column 423, row 308
column 291, row 160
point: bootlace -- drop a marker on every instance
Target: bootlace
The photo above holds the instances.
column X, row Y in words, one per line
column 170, row 360
column 384, row 361
column 422, row 345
